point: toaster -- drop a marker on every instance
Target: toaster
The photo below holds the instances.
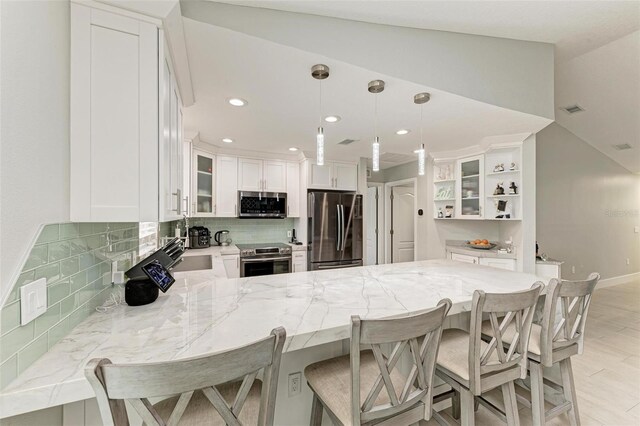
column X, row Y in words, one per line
column 199, row 237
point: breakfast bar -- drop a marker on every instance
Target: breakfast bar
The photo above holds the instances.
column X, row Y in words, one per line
column 204, row 313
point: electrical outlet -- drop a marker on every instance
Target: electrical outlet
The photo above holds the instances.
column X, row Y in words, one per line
column 628, row 261
column 636, row 229
column 33, row 300
column 295, row 383
column 573, row 269
column 289, row 234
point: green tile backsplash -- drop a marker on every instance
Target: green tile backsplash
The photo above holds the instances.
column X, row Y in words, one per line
column 75, row 258
column 243, row 231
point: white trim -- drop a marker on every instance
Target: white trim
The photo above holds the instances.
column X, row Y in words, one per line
column 118, row 11
column 387, row 217
column 620, row 279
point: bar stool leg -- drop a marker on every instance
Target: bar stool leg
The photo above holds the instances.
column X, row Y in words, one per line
column 316, row 411
column 467, row 415
column 537, row 393
column 510, row 404
column 570, row 391
column 455, row 405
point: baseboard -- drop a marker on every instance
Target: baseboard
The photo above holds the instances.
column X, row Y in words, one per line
column 620, row 279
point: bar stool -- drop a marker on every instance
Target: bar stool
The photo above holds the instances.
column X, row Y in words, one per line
column 555, row 341
column 472, row 367
column 350, row 387
column 208, row 387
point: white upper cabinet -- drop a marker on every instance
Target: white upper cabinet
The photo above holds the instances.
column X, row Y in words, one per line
column 470, row 188
column 333, row 175
column 114, row 117
column 258, row 175
column 293, row 189
column 227, row 187
column 275, row 176
column 204, row 169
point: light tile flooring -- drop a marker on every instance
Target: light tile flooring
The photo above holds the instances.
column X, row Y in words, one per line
column 607, row 374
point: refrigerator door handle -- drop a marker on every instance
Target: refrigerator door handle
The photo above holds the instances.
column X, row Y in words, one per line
column 338, row 228
column 344, row 242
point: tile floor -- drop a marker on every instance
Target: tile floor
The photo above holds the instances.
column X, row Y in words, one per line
column 607, row 374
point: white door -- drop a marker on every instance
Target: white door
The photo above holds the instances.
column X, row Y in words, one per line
column 402, row 226
column 250, row 175
column 275, row 176
column 346, row 176
column 226, row 187
column 371, row 215
column 293, row 189
column 320, row 177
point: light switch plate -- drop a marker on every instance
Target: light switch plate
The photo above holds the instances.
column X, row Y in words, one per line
column 33, row 300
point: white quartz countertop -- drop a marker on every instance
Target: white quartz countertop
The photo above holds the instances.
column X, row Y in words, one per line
column 461, row 247
column 204, row 313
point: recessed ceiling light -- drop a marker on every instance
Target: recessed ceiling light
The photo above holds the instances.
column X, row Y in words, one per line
column 293, row 148
column 227, row 140
column 332, row 118
column 237, row 102
column 402, row 132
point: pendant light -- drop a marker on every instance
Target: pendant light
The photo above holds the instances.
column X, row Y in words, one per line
column 376, row 86
column 421, row 99
column 320, row 72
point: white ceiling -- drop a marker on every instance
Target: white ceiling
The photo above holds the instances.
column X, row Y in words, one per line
column 575, row 27
column 283, row 102
column 606, row 83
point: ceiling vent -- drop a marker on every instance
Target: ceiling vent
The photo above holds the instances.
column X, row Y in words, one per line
column 572, row 109
column 347, row 142
column 622, row 146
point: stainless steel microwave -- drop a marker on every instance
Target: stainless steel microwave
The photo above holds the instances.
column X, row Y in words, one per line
column 271, row 205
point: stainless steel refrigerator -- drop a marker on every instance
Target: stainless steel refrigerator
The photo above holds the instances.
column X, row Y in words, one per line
column 334, row 230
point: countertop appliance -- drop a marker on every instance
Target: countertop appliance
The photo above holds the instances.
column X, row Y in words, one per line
column 269, row 205
column 335, row 230
column 264, row 259
column 222, row 238
column 199, row 237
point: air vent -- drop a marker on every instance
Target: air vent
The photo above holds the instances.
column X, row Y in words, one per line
column 347, row 142
column 572, row 109
column 622, row 146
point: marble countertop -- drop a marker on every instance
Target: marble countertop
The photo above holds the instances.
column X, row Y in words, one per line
column 549, row 262
column 461, row 247
column 205, row 313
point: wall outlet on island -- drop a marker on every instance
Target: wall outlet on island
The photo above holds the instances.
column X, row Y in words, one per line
column 295, row 383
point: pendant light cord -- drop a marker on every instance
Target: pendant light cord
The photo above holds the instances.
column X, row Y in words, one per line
column 320, row 106
column 375, row 114
column 421, row 124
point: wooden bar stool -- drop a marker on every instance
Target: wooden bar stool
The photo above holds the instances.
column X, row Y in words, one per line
column 554, row 341
column 472, row 367
column 350, row 387
column 208, row 387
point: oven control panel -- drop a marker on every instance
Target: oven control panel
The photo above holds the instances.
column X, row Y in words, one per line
column 249, row 252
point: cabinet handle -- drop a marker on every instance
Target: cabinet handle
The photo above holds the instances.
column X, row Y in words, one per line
column 287, row 209
column 178, row 195
column 186, row 204
column 235, row 209
column 194, row 208
column 238, row 262
column 215, row 209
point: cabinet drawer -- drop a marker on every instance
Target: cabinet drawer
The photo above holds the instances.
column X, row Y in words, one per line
column 508, row 264
column 464, row 258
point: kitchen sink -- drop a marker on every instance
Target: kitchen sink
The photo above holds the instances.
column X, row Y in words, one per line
column 193, row 263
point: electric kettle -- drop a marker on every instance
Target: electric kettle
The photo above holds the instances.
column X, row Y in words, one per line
column 221, row 238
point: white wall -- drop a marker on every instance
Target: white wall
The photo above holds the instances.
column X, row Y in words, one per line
column 34, row 122
column 512, row 74
column 587, row 207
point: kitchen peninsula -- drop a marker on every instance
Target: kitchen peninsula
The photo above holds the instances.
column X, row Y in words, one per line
column 204, row 312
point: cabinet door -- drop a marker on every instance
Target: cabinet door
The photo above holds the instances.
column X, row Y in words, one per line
column 250, row 175
column 186, row 174
column 113, row 118
column 231, row 265
column 320, row 177
column 293, row 189
column 226, row 187
column 299, row 261
column 470, row 187
column 275, row 176
column 204, row 173
column 508, row 264
column 464, row 258
column 346, row 176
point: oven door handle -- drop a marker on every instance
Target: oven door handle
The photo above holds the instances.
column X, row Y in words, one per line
column 264, row 259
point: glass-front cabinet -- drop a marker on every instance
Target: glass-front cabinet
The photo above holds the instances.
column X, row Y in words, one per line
column 470, row 190
column 203, row 183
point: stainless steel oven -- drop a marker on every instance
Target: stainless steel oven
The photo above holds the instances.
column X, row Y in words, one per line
column 264, row 259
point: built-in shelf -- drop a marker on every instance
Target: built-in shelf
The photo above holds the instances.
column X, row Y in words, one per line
column 470, row 198
column 205, row 195
column 506, row 172
column 502, row 196
column 470, row 176
column 444, row 181
column 204, row 173
column 444, row 199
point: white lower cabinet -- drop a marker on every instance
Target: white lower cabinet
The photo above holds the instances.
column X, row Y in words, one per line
column 464, row 258
column 231, row 265
column 299, row 261
column 508, row 264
